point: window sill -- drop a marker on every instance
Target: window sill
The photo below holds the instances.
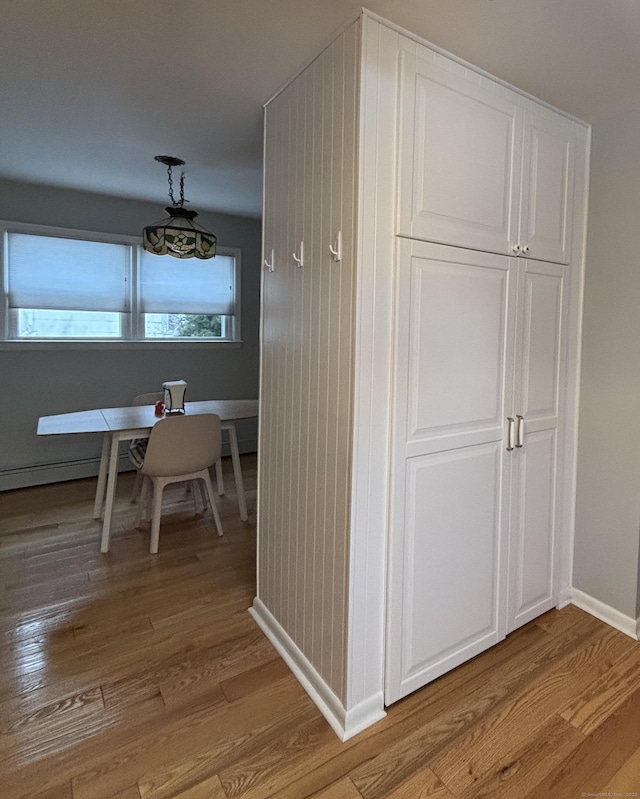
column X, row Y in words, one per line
column 79, row 344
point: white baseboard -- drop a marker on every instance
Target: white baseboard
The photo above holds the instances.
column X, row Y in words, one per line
column 45, row 473
column 345, row 723
column 626, row 624
column 77, row 469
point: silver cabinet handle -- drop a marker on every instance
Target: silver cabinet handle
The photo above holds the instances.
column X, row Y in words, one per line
column 520, row 431
column 525, row 249
column 510, row 430
column 516, row 248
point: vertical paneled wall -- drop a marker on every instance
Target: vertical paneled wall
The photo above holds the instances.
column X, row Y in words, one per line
column 307, row 356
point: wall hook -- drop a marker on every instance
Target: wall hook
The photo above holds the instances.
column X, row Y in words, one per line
column 270, row 266
column 336, row 249
column 299, row 259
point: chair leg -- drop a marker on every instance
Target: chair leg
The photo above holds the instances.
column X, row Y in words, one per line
column 219, row 477
column 156, row 512
column 137, row 488
column 196, row 488
column 203, row 495
column 143, row 503
column 212, row 500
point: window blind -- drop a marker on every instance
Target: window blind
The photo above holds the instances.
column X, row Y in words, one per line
column 51, row 273
column 190, row 286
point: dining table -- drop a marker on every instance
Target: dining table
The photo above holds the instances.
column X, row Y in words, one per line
column 127, row 423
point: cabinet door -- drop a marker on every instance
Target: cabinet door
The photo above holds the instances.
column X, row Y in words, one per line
column 546, row 212
column 460, row 157
column 537, row 401
column 447, row 571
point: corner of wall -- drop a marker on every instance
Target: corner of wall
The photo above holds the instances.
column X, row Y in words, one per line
column 344, row 722
column 609, row 615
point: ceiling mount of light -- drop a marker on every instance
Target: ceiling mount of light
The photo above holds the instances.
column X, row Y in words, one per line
column 178, row 235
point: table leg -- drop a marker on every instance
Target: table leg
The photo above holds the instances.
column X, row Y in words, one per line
column 237, row 472
column 111, row 493
column 102, row 476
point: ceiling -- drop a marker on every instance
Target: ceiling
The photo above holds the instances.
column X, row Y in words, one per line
column 91, row 91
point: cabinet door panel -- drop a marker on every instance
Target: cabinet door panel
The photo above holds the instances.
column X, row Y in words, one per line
column 456, row 333
column 455, row 304
column 450, row 568
column 541, row 332
column 547, row 186
column 459, row 159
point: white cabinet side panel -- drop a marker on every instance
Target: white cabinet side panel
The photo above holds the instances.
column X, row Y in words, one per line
column 308, row 320
column 327, row 306
column 310, row 626
column 275, row 184
column 304, row 431
column 290, row 459
column 340, row 349
column 296, row 475
column 281, row 547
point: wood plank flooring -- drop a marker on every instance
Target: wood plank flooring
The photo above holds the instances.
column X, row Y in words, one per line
column 133, row 676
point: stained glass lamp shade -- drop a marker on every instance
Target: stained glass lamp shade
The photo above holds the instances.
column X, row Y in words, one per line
column 178, row 235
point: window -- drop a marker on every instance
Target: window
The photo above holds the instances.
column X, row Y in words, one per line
column 67, row 285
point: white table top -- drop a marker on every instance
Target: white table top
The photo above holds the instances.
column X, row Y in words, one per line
column 104, row 420
column 79, row 422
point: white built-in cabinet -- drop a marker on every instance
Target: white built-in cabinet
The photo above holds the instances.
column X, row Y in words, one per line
column 479, row 363
column 423, row 248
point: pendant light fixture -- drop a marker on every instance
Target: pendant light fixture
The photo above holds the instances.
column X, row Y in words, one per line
column 178, row 235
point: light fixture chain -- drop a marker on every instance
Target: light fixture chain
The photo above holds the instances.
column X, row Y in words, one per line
column 181, row 189
column 170, row 176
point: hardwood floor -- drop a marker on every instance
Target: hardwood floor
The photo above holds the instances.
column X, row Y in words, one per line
column 133, row 676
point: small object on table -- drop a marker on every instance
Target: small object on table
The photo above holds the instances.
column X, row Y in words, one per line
column 159, row 408
column 174, row 396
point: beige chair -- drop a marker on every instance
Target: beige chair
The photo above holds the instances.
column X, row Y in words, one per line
column 180, row 448
column 136, row 452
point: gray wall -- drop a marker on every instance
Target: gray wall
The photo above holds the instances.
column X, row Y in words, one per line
column 608, row 487
column 47, row 381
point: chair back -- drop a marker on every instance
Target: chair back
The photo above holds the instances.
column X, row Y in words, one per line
column 183, row 445
column 148, row 399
